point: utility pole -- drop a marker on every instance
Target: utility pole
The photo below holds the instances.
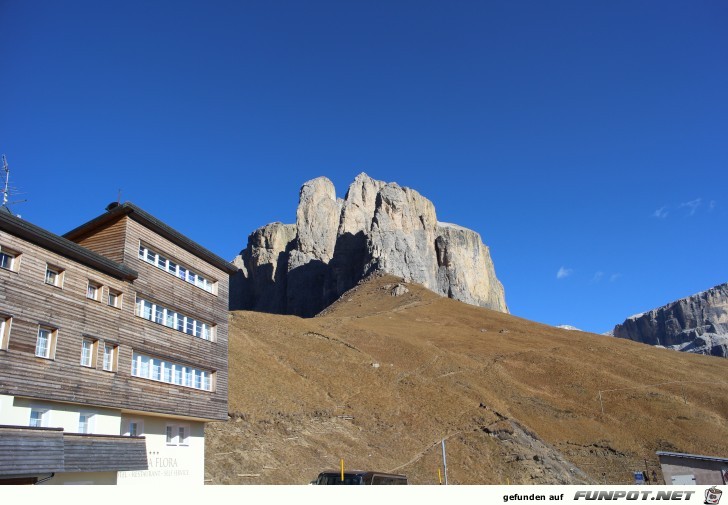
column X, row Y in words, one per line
column 444, row 460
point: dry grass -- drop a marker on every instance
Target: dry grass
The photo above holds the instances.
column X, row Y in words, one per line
column 380, row 380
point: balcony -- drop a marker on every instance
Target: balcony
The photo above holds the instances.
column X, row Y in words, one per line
column 32, row 451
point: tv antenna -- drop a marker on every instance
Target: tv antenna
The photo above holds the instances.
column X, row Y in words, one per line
column 7, row 189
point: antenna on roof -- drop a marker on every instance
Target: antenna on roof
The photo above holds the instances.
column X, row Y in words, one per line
column 6, row 189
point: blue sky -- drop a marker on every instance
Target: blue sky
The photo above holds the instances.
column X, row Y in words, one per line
column 587, row 142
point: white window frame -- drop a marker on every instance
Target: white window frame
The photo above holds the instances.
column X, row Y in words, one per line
column 183, row 434
column 57, row 280
column 86, row 422
column 151, row 311
column 42, row 419
column 6, row 322
column 50, row 347
column 98, row 290
column 109, row 365
column 161, row 370
column 173, row 267
column 117, row 298
column 9, row 259
column 139, row 428
column 88, row 348
column 177, row 434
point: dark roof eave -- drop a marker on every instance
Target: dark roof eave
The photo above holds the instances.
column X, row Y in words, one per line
column 156, row 225
column 64, row 247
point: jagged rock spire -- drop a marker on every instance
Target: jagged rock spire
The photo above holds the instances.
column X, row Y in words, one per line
column 300, row 269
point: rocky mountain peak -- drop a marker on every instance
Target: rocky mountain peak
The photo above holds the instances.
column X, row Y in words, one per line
column 378, row 227
column 697, row 323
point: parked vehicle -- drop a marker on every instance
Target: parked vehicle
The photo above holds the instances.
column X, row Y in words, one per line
column 359, row 477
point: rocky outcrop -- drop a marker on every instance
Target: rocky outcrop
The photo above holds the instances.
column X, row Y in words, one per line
column 698, row 323
column 378, row 227
column 461, row 259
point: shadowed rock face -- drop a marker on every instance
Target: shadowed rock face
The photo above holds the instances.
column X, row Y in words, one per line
column 379, row 227
column 698, row 323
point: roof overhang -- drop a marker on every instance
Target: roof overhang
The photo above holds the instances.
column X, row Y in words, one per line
column 60, row 245
column 692, row 456
column 116, row 211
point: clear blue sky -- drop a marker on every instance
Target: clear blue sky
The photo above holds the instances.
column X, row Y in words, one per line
column 587, row 138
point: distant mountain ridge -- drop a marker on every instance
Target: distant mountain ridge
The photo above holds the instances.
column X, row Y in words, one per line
column 378, row 227
column 697, row 323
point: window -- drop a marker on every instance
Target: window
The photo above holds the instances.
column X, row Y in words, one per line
column 159, row 314
column 162, row 262
column 173, row 268
column 177, row 434
column 85, row 422
column 5, row 323
column 93, row 291
column 88, row 346
column 162, row 370
column 45, row 346
column 146, row 310
column 9, row 259
column 38, row 418
column 110, row 354
column 168, row 317
column 54, row 276
column 114, row 299
column 134, row 428
column 156, row 369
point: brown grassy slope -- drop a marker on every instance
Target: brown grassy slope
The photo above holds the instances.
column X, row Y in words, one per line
column 379, row 380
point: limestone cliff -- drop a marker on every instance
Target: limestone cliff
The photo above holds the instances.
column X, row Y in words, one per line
column 698, row 323
column 378, row 227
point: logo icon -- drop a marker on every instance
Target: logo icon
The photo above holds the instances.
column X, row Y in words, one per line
column 712, row 496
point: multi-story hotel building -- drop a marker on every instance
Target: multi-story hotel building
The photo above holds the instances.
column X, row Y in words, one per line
column 113, row 351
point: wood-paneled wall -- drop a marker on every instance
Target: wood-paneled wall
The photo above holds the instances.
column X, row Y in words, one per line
column 93, row 453
column 29, row 451
column 108, row 240
column 25, row 296
column 25, row 450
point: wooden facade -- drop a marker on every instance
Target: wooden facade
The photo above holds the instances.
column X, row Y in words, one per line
column 28, row 451
column 66, row 309
column 99, row 453
column 73, row 305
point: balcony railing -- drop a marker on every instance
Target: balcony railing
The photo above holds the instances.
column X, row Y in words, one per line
column 27, row 451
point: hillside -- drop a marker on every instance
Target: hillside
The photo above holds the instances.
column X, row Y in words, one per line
column 379, row 380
